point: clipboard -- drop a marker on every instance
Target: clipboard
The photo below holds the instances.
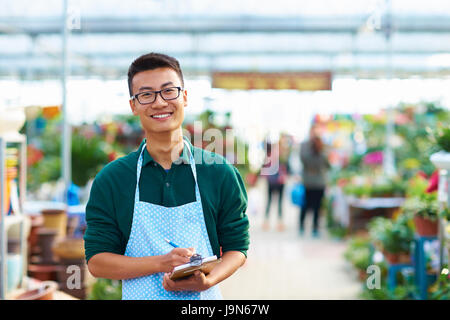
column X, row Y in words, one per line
column 197, row 263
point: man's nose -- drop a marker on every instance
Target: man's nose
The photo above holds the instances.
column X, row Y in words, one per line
column 159, row 101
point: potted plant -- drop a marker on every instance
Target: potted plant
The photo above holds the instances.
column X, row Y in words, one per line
column 425, row 212
column 393, row 237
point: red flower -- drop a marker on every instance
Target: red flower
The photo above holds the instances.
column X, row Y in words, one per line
column 433, row 182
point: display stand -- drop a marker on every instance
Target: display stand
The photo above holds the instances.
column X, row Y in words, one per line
column 422, row 278
column 361, row 211
column 7, row 222
column 393, row 269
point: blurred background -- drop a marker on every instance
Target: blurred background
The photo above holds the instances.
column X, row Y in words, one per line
column 372, row 76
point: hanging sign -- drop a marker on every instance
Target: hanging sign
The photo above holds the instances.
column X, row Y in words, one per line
column 304, row 81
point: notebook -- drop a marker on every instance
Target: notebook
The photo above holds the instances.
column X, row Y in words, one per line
column 205, row 265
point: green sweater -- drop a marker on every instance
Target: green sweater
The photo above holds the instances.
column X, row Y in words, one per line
column 109, row 211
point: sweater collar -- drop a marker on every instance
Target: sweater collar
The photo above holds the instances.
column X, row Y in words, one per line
column 184, row 157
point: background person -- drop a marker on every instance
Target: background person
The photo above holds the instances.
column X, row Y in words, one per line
column 275, row 183
column 315, row 166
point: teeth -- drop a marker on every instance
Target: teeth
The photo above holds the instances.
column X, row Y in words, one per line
column 161, row 115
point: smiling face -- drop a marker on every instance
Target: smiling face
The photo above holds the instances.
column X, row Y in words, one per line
column 161, row 116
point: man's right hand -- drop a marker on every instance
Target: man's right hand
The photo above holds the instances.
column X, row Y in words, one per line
column 176, row 257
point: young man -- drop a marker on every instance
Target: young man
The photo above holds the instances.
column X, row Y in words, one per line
column 160, row 192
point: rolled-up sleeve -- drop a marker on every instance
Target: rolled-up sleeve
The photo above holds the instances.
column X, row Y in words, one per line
column 233, row 223
column 102, row 233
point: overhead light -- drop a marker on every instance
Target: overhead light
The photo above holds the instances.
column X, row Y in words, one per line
column 439, row 60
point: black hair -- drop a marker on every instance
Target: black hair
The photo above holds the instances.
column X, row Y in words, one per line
column 151, row 61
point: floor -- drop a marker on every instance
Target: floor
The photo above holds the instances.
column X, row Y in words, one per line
column 284, row 265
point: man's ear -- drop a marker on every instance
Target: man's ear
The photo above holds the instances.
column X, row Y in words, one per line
column 185, row 98
column 133, row 107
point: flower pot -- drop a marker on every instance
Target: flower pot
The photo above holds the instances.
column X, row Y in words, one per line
column 425, row 227
column 45, row 292
column 69, row 249
column 43, row 272
column 397, row 258
column 37, row 222
column 46, row 238
column 56, row 219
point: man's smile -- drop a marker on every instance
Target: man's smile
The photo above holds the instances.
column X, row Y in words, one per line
column 162, row 116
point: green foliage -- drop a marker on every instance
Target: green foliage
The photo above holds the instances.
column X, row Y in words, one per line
column 88, row 158
column 425, row 206
column 400, row 292
column 418, row 143
column 391, row 187
column 106, row 289
column 445, row 213
column 441, row 290
column 47, row 169
column 443, row 139
column 358, row 191
column 359, row 253
column 416, row 187
column 395, row 236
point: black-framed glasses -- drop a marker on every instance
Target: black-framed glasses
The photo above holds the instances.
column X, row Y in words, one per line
column 148, row 97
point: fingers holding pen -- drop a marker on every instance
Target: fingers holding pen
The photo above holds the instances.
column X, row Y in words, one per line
column 176, row 257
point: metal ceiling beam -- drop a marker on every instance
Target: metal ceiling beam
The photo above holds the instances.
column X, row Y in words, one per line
column 211, row 55
column 217, row 24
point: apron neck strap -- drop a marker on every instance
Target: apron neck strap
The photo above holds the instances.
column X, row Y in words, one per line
column 191, row 163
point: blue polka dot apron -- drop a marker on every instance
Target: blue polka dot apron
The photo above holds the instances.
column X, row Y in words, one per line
column 152, row 224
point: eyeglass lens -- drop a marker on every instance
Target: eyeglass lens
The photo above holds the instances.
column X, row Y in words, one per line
column 166, row 94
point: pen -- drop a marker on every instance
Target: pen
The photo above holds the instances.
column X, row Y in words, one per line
column 171, row 243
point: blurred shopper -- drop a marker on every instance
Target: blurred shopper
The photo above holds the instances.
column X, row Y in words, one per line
column 275, row 182
column 315, row 166
column 159, row 192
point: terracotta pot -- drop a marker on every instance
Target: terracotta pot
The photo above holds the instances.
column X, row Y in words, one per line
column 43, row 272
column 45, row 292
column 37, row 221
column 425, row 227
column 397, row 258
column 46, row 239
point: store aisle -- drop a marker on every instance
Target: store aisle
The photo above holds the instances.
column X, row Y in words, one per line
column 283, row 265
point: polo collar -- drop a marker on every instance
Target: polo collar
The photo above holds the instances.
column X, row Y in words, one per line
column 184, row 157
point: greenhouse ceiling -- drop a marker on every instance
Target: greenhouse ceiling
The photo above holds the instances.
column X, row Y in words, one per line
column 368, row 39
